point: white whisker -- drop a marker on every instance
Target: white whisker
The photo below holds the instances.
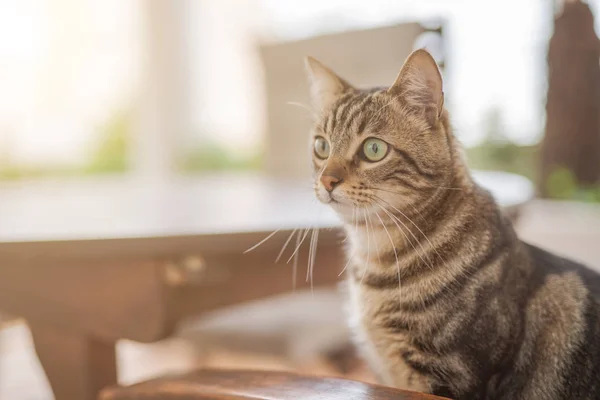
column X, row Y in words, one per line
column 378, row 112
column 262, row 241
column 313, row 255
column 285, row 245
column 353, row 212
column 299, row 245
column 356, row 223
column 374, row 238
column 434, row 249
column 304, row 106
column 368, row 246
column 394, row 219
column 393, row 247
column 295, row 265
column 347, row 264
column 416, row 226
column 310, row 248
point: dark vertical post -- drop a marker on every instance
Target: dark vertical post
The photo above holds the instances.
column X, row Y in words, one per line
column 572, row 137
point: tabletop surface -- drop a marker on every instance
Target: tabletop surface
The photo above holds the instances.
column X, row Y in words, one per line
column 114, row 208
column 247, row 384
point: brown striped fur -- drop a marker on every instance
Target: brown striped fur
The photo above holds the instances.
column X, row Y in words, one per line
column 443, row 296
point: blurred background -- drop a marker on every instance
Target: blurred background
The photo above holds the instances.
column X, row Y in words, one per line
column 149, row 89
column 79, row 79
column 93, row 87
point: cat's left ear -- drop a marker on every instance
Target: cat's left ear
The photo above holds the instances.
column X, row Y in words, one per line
column 420, row 83
column 325, row 85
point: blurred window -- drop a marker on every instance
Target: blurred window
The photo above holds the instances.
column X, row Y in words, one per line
column 74, row 75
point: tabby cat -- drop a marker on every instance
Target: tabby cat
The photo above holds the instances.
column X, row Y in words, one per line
column 444, row 297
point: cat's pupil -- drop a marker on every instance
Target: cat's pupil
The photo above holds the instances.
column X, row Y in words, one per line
column 374, row 148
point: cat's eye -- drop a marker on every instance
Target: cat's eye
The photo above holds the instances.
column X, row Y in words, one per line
column 374, row 149
column 321, row 147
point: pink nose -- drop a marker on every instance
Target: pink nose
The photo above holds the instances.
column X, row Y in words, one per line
column 330, row 181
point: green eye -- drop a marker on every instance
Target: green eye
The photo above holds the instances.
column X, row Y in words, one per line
column 321, row 148
column 375, row 149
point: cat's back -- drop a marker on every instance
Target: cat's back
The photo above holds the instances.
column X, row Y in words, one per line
column 548, row 265
column 559, row 357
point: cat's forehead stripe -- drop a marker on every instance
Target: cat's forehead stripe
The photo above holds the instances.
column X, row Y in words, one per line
column 347, row 110
column 359, row 108
column 342, row 102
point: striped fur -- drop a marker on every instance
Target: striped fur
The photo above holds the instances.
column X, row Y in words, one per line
column 443, row 296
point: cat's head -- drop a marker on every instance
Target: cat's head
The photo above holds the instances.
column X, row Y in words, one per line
column 380, row 147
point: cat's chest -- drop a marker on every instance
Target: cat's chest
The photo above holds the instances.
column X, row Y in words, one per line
column 365, row 312
column 380, row 347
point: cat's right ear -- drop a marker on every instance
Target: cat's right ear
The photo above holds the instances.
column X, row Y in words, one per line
column 420, row 83
column 325, row 86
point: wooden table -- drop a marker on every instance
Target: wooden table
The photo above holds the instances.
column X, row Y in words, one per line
column 87, row 263
column 257, row 385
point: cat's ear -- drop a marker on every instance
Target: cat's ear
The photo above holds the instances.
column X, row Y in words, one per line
column 420, row 83
column 325, row 86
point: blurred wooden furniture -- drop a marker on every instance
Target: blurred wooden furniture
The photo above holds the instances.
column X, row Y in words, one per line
column 232, row 384
column 87, row 263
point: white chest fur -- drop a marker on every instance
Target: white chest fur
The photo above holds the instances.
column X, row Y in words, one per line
column 380, row 349
column 357, row 321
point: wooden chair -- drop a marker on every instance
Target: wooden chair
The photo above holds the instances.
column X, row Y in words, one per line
column 240, row 384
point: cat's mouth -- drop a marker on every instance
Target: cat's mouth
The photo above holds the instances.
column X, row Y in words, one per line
column 336, row 198
column 332, row 199
column 329, row 197
column 329, row 200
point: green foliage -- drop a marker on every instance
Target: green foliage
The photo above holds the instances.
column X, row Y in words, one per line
column 562, row 184
column 213, row 156
column 497, row 152
column 507, row 157
column 110, row 154
column 11, row 172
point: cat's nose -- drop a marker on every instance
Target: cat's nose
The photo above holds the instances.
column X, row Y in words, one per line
column 330, row 181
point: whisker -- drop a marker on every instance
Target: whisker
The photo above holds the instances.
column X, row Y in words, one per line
column 393, row 192
column 314, row 117
column 354, row 217
column 374, row 238
column 262, row 241
column 353, row 212
column 368, row 246
column 449, row 188
column 299, row 244
column 347, row 264
column 301, row 105
column 416, row 226
column 378, row 112
column 409, row 191
column 394, row 219
column 285, row 245
column 409, row 230
column 313, row 256
column 393, row 247
column 295, row 265
column 423, row 219
column 356, row 222
column 310, row 248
